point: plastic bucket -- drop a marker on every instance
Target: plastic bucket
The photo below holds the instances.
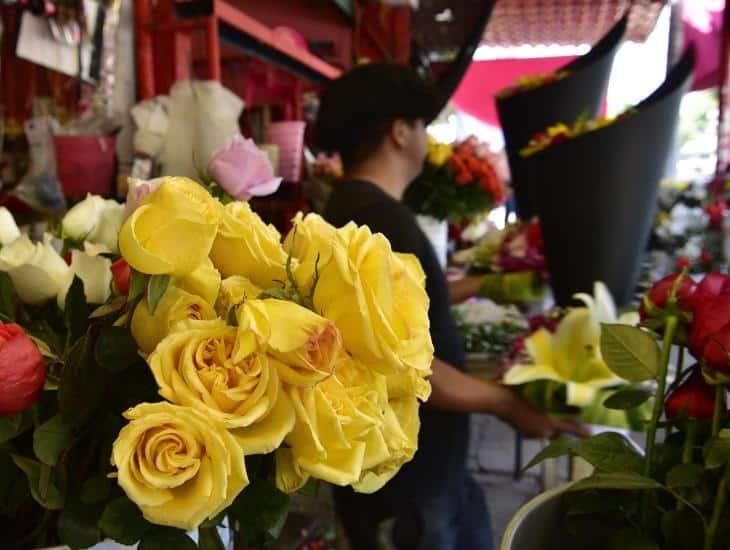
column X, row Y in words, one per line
column 85, row 164
column 289, row 138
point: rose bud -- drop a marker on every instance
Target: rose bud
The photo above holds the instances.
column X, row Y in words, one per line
column 709, row 335
column 694, row 397
column 22, row 370
column 671, row 295
column 121, row 272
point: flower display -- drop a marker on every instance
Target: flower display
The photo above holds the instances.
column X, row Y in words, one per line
column 560, row 132
column 147, row 380
column 458, row 182
column 531, row 82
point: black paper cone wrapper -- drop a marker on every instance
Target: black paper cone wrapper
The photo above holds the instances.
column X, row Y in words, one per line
column 597, row 193
column 580, row 92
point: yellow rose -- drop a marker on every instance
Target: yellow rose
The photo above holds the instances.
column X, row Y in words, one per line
column 289, row 476
column 178, row 465
column 438, row 153
column 310, row 242
column 306, row 345
column 234, row 291
column 173, row 230
column 175, row 305
column 246, row 246
column 377, row 300
column 203, row 281
column 194, row 367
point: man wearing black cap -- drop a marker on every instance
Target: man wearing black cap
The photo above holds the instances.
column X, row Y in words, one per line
column 375, row 117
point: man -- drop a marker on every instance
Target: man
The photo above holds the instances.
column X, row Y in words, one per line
column 375, row 117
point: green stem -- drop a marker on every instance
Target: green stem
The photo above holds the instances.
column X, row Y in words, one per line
column 688, row 450
column 719, row 408
column 717, row 511
column 680, row 363
column 669, row 331
column 661, row 378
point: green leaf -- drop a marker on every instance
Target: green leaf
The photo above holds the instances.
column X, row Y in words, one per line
column 209, row 539
column 95, row 489
column 561, row 446
column 214, row 522
column 82, row 384
column 77, row 525
column 116, row 349
column 630, row 539
column 44, row 492
column 156, row 290
column 310, row 488
column 8, row 298
column 137, row 284
column 684, row 475
column 107, row 309
column 51, row 438
column 615, row 480
column 76, row 312
column 630, row 352
column 717, row 450
column 610, row 452
column 681, row 529
column 122, row 521
column 14, row 489
column 12, row 425
column 260, row 511
column 626, row 399
column 167, row 538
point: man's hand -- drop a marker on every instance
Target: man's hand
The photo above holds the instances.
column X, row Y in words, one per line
column 534, row 423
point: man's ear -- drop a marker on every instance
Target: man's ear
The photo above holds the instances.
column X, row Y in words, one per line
column 400, row 132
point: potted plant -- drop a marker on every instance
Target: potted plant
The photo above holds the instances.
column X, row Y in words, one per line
column 674, row 494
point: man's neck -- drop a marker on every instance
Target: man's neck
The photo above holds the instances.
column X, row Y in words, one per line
column 387, row 177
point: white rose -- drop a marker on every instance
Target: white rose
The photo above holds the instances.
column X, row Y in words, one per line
column 94, row 271
column 96, row 220
column 8, row 228
column 37, row 271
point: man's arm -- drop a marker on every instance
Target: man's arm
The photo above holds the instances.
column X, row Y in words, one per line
column 464, row 288
column 452, row 390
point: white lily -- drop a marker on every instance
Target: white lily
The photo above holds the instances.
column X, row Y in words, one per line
column 37, row 271
column 573, row 354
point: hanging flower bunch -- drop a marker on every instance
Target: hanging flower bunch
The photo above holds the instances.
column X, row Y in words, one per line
column 561, row 132
column 530, row 82
column 458, row 182
column 191, row 366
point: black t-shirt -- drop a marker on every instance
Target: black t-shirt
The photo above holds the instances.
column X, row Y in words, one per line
column 444, row 436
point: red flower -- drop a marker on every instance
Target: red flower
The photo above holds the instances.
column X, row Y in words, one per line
column 683, row 262
column 668, row 296
column 534, row 235
column 709, row 335
column 22, row 370
column 121, row 273
column 705, row 258
column 694, row 397
column 716, row 212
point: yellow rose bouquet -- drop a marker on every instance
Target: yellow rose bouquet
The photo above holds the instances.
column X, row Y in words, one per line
column 199, row 368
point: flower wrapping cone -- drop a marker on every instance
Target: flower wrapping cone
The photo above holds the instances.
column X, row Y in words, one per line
column 564, row 100
column 597, row 193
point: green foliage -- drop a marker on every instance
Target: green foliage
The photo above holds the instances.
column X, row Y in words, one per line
column 209, row 539
column 122, row 521
column 260, row 512
column 630, row 352
column 683, row 476
column 167, row 538
column 76, row 313
column 42, row 487
column 116, row 349
column 51, row 438
column 8, row 298
column 77, row 524
column 494, row 340
column 82, row 384
column 435, row 192
column 616, row 480
column 156, row 290
column 627, row 399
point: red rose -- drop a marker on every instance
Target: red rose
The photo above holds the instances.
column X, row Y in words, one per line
column 534, row 235
column 716, row 212
column 683, row 262
column 121, row 273
column 705, row 258
column 709, row 335
column 671, row 295
column 22, row 370
column 695, row 397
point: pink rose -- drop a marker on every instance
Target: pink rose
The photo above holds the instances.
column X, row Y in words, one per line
column 243, row 170
column 137, row 190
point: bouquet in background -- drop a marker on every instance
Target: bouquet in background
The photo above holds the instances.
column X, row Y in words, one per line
column 560, row 132
column 458, row 182
column 488, row 329
column 530, row 82
column 559, row 366
column 512, row 262
column 188, row 368
column 674, row 494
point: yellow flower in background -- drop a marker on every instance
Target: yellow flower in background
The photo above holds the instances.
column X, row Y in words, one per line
column 306, row 345
column 377, row 300
column 233, row 291
column 176, row 305
column 438, row 153
column 194, row 367
column 572, row 355
column 173, row 230
column 179, row 466
column 246, row 246
column 203, row 281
